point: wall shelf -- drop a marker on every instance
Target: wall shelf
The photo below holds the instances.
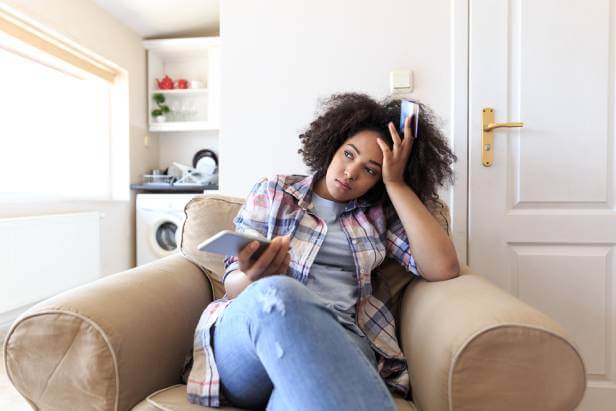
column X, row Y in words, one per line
column 179, row 91
column 183, row 126
column 189, row 59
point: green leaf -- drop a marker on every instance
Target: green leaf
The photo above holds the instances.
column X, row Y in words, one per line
column 158, row 98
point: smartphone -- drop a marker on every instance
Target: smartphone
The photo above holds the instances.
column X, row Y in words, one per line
column 228, row 242
column 409, row 108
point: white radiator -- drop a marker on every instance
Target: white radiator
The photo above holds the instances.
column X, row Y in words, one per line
column 44, row 255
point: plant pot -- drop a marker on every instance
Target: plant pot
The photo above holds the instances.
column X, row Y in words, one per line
column 160, row 119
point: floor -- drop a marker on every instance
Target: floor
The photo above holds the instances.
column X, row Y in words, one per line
column 10, row 400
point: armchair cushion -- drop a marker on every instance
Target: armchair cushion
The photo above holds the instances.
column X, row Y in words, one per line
column 205, row 216
column 174, row 399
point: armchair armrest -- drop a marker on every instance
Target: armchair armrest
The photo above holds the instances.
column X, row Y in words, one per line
column 108, row 344
column 471, row 345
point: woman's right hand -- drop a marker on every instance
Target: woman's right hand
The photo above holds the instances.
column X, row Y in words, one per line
column 274, row 260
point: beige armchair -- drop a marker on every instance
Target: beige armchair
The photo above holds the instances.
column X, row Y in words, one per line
column 124, row 341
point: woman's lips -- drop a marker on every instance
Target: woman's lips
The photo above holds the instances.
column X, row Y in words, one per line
column 341, row 184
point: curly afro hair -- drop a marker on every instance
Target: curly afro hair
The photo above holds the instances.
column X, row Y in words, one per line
column 346, row 114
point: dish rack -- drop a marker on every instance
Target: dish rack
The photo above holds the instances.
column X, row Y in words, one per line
column 161, row 179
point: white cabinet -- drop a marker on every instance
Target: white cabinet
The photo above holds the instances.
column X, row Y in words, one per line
column 196, row 60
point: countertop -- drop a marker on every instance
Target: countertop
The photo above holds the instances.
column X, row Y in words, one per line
column 167, row 188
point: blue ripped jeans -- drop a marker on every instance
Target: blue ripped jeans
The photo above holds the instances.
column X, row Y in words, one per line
column 277, row 348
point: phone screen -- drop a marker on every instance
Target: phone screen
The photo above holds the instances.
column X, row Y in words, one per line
column 228, row 242
column 409, row 108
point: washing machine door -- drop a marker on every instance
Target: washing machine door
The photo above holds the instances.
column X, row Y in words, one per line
column 162, row 236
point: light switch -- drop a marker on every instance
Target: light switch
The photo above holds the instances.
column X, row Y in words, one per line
column 401, row 81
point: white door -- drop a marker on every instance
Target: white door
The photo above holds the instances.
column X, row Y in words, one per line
column 542, row 218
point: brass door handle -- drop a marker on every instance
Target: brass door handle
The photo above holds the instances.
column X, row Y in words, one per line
column 492, row 126
column 487, row 135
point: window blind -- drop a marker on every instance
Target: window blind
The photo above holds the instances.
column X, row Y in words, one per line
column 27, row 33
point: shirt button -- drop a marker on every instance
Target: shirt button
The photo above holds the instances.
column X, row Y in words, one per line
column 354, row 241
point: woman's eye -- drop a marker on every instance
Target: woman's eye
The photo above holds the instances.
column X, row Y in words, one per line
column 370, row 171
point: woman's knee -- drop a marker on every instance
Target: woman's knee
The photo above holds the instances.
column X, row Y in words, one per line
column 278, row 292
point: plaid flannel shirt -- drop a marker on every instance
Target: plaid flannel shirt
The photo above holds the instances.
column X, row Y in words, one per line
column 282, row 205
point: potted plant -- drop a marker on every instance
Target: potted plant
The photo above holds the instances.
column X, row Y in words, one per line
column 159, row 113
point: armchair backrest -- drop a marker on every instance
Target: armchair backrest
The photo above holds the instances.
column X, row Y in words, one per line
column 204, row 216
column 208, row 214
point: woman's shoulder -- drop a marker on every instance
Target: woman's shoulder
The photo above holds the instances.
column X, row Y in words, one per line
column 292, row 184
column 286, row 180
column 281, row 189
column 281, row 181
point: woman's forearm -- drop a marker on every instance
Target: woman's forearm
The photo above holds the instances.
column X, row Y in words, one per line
column 433, row 251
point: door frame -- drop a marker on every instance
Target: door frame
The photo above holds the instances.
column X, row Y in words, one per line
column 459, row 125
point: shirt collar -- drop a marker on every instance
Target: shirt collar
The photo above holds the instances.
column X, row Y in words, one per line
column 302, row 191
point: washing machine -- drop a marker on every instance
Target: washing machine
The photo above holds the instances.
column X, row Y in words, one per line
column 159, row 217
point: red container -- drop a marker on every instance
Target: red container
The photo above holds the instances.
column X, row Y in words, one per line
column 165, row 84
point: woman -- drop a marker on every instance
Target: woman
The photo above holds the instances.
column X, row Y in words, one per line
column 300, row 328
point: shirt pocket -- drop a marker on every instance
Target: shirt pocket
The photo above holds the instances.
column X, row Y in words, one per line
column 368, row 245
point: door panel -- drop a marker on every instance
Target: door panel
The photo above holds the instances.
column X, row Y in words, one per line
column 542, row 220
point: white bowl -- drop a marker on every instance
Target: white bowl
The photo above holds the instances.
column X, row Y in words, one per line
column 195, row 84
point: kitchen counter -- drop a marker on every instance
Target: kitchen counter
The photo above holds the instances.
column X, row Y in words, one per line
column 167, row 188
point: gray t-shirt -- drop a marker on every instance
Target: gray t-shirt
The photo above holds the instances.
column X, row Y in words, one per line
column 332, row 275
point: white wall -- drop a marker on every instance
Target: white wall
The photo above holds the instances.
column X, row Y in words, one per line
column 181, row 146
column 279, row 57
column 83, row 22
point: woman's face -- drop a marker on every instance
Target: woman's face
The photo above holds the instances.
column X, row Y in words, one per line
column 354, row 170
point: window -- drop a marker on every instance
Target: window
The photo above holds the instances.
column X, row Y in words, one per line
column 56, row 121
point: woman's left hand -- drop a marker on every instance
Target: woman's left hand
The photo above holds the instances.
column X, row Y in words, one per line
column 394, row 161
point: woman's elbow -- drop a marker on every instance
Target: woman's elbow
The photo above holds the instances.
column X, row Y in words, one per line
column 454, row 271
column 444, row 273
